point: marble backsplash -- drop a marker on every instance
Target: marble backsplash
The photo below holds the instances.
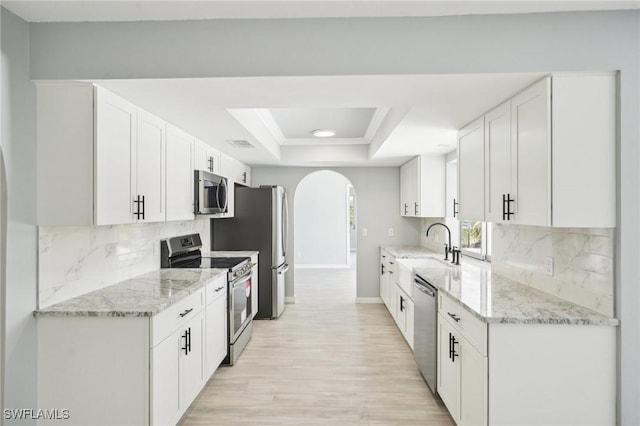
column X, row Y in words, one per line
column 77, row 260
column 583, row 259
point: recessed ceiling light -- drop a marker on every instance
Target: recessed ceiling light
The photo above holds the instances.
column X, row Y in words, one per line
column 323, row 133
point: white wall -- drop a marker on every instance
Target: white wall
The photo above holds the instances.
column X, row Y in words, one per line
column 436, row 45
column 378, row 195
column 321, row 228
column 18, row 144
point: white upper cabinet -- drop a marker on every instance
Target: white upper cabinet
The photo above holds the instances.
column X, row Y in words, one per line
column 104, row 161
column 471, row 171
column 242, row 174
column 179, row 192
column 497, row 138
column 531, row 156
column 451, row 188
column 549, row 156
column 422, row 187
column 206, row 158
column 115, row 145
column 149, row 170
column 583, row 152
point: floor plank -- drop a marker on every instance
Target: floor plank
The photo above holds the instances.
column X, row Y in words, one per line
column 326, row 361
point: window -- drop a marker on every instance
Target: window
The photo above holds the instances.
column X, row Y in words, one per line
column 475, row 239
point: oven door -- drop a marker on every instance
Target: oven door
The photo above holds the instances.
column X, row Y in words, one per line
column 239, row 305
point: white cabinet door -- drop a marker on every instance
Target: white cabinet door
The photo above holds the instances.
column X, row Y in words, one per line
column 206, row 158
column 192, row 358
column 242, row 173
column 149, row 161
column 497, row 130
column 448, row 368
column 254, row 285
column 471, row 171
column 179, row 175
column 531, row 155
column 408, row 328
column 410, row 188
column 166, row 407
column 216, row 331
column 115, row 130
column 451, row 185
column 473, row 385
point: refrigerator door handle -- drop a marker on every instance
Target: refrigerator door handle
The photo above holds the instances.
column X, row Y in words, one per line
column 285, row 224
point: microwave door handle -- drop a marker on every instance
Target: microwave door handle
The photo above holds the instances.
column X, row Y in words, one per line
column 223, row 182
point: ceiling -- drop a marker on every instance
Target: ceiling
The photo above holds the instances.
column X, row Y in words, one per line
column 401, row 115
column 379, row 120
column 105, row 10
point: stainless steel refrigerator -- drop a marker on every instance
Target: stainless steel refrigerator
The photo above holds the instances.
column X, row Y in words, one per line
column 260, row 223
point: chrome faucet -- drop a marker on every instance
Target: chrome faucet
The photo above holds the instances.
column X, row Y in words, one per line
column 448, row 248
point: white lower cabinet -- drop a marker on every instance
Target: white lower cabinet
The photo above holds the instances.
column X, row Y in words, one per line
column 133, row 370
column 524, row 374
column 216, row 324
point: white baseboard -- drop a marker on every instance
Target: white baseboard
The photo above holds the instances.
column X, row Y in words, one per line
column 307, row 266
column 290, row 300
column 368, row 300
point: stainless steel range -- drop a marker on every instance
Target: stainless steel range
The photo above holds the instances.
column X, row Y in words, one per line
column 185, row 252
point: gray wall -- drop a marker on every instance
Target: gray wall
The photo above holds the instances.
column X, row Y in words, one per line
column 320, row 232
column 438, row 45
column 18, row 144
column 378, row 196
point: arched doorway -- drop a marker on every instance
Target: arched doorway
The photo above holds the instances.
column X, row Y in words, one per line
column 325, row 237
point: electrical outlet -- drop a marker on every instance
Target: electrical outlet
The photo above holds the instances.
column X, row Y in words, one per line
column 365, row 232
column 390, row 232
column 548, row 265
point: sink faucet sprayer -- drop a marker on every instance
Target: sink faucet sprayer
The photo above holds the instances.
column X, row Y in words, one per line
column 448, row 248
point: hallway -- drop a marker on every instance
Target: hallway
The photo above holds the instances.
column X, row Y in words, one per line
column 326, row 361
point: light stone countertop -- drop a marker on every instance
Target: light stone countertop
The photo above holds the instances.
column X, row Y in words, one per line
column 493, row 298
column 142, row 296
column 410, row 252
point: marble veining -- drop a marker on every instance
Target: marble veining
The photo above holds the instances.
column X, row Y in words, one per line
column 497, row 299
column 76, row 260
column 583, row 262
column 142, row 296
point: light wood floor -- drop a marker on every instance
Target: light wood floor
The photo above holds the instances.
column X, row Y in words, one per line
column 326, row 361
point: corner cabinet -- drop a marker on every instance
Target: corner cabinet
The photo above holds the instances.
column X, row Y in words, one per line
column 545, row 157
column 422, row 187
column 507, row 374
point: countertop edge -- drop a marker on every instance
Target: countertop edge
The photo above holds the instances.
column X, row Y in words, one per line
column 48, row 313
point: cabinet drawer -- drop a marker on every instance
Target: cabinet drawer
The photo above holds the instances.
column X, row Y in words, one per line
column 164, row 323
column 215, row 288
column 472, row 328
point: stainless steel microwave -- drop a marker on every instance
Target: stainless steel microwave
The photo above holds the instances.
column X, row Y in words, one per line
column 210, row 193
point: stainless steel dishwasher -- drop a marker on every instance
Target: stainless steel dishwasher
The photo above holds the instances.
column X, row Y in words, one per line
column 425, row 329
